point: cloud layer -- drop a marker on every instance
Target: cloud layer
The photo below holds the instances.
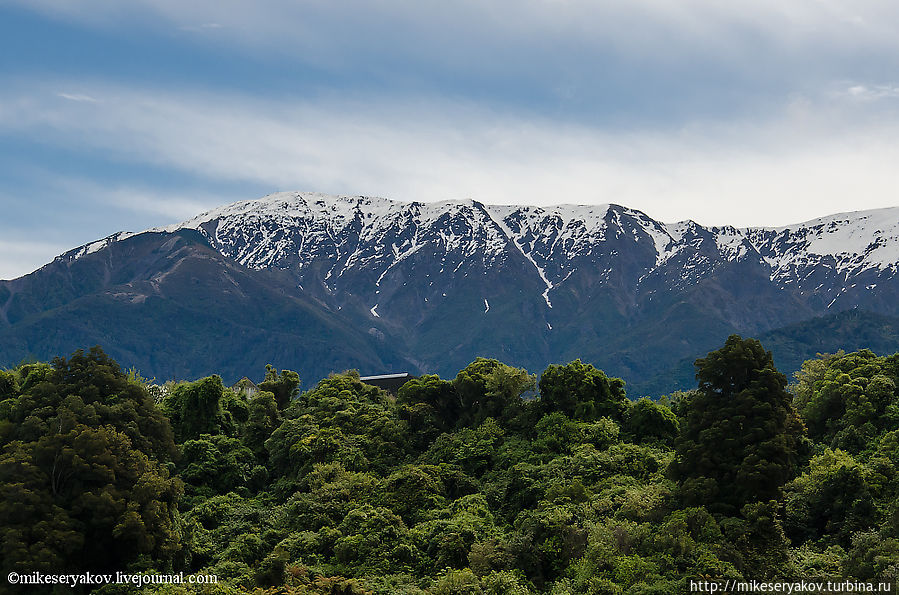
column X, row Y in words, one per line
column 809, row 158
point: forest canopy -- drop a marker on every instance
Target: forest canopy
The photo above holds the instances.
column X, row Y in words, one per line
column 491, row 482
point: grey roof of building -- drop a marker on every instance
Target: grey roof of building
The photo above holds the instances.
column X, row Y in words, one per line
column 384, row 376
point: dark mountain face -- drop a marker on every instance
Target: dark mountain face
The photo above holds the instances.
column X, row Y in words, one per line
column 319, row 283
column 171, row 306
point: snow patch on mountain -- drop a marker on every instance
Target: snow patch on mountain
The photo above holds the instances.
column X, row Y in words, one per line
column 848, row 242
column 93, row 247
column 731, row 242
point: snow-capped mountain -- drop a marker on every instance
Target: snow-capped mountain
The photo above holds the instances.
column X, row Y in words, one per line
column 353, row 243
column 437, row 284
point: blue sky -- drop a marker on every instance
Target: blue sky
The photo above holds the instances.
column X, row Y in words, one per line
column 127, row 115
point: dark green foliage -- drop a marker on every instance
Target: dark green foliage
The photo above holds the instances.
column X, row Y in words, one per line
column 374, row 539
column 581, row 391
column 758, row 539
column 740, row 437
column 831, row 500
column 654, row 557
column 9, row 385
column 430, row 405
column 647, row 420
column 236, row 408
column 487, row 388
column 548, row 539
column 472, row 449
column 228, row 535
column 851, row 406
column 458, row 582
column 31, row 374
column 83, row 481
column 340, row 420
column 285, row 386
column 447, row 539
column 849, row 400
column 262, row 419
column 557, row 433
column 874, row 557
column 197, row 408
column 413, row 489
column 217, row 465
column 330, row 494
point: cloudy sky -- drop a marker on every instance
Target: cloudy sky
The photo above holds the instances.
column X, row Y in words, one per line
column 126, row 115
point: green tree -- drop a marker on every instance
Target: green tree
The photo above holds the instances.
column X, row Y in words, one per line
column 216, row 464
column 284, row 385
column 330, row 493
column 874, row 557
column 547, row 539
column 489, row 388
column 340, row 420
column 759, row 545
column 373, row 538
column 448, row 537
column 581, row 391
column 457, row 582
column 9, row 384
column 647, row 420
column 262, row 419
column 196, row 408
column 412, row 491
column 430, row 405
column 472, row 449
column 739, row 440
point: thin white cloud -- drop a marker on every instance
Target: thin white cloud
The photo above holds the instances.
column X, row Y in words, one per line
column 808, row 159
column 202, row 27
column 873, row 92
column 582, row 60
column 77, row 97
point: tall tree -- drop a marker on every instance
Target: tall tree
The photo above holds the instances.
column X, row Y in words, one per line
column 285, row 386
column 739, row 439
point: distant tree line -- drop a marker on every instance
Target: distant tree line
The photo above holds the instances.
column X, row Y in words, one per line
column 489, row 483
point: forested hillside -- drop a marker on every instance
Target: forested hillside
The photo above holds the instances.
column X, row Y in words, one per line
column 487, row 483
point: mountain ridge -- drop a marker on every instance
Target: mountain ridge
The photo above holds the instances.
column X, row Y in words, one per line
column 549, row 237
